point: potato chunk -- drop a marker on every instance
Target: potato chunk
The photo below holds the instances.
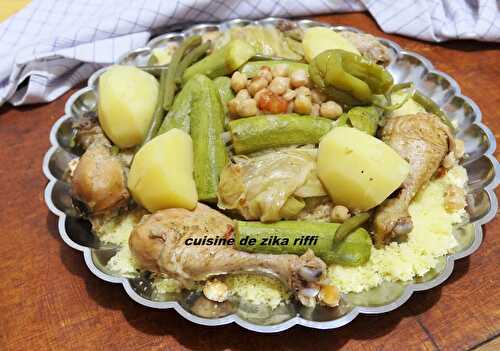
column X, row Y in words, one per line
column 161, row 175
column 127, row 99
column 319, row 39
column 359, row 171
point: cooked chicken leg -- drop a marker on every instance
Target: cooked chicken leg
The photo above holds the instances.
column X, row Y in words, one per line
column 99, row 178
column 159, row 244
column 423, row 140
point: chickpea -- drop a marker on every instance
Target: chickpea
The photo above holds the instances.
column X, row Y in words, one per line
column 289, row 95
column 299, row 78
column 272, row 103
column 243, row 94
column 215, row 290
column 339, row 214
column 280, row 70
column 238, row 81
column 303, row 104
column 315, row 110
column 317, row 96
column 303, row 91
column 330, row 109
column 459, row 148
column 257, row 84
column 329, row 295
column 258, row 94
column 233, row 105
column 247, row 108
column 279, row 85
column 265, row 72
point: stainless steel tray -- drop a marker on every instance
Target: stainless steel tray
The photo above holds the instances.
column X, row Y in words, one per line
column 482, row 169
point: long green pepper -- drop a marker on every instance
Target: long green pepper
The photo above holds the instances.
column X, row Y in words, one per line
column 348, row 78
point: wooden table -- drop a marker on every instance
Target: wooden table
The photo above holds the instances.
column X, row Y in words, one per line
column 49, row 300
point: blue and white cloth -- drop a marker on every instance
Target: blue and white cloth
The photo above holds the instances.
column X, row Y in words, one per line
column 51, row 45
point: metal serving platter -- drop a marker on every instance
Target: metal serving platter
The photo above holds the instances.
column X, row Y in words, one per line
column 482, row 168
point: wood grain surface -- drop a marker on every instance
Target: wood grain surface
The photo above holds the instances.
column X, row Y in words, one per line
column 50, row 301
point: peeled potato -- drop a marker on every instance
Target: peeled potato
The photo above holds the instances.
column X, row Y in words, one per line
column 358, row 170
column 319, row 39
column 161, row 175
column 127, row 100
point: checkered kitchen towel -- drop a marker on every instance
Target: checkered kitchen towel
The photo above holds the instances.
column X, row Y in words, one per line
column 51, row 45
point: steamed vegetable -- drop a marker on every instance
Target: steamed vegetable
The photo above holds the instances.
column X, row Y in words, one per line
column 223, row 85
column 349, row 78
column 292, row 231
column 409, row 107
column 173, row 69
column 351, row 224
column 359, row 171
column 354, row 250
column 207, row 125
column 178, row 115
column 252, row 68
column 161, row 175
column 159, row 113
column 127, row 100
column 431, row 107
column 263, row 132
column 265, row 40
column 290, row 237
column 319, row 39
column 190, row 58
column 364, row 118
column 265, row 187
column 160, row 56
column 222, row 61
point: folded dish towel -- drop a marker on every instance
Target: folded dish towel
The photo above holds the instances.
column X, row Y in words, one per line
column 51, row 45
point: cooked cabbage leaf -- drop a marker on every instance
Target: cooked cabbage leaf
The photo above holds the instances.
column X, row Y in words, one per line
column 258, row 187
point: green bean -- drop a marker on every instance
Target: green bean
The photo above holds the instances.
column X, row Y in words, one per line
column 350, row 225
column 170, row 85
column 263, row 132
column 159, row 113
column 291, row 235
column 431, row 107
column 190, row 58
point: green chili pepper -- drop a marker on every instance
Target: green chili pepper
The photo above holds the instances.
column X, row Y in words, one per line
column 348, row 78
column 431, row 107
